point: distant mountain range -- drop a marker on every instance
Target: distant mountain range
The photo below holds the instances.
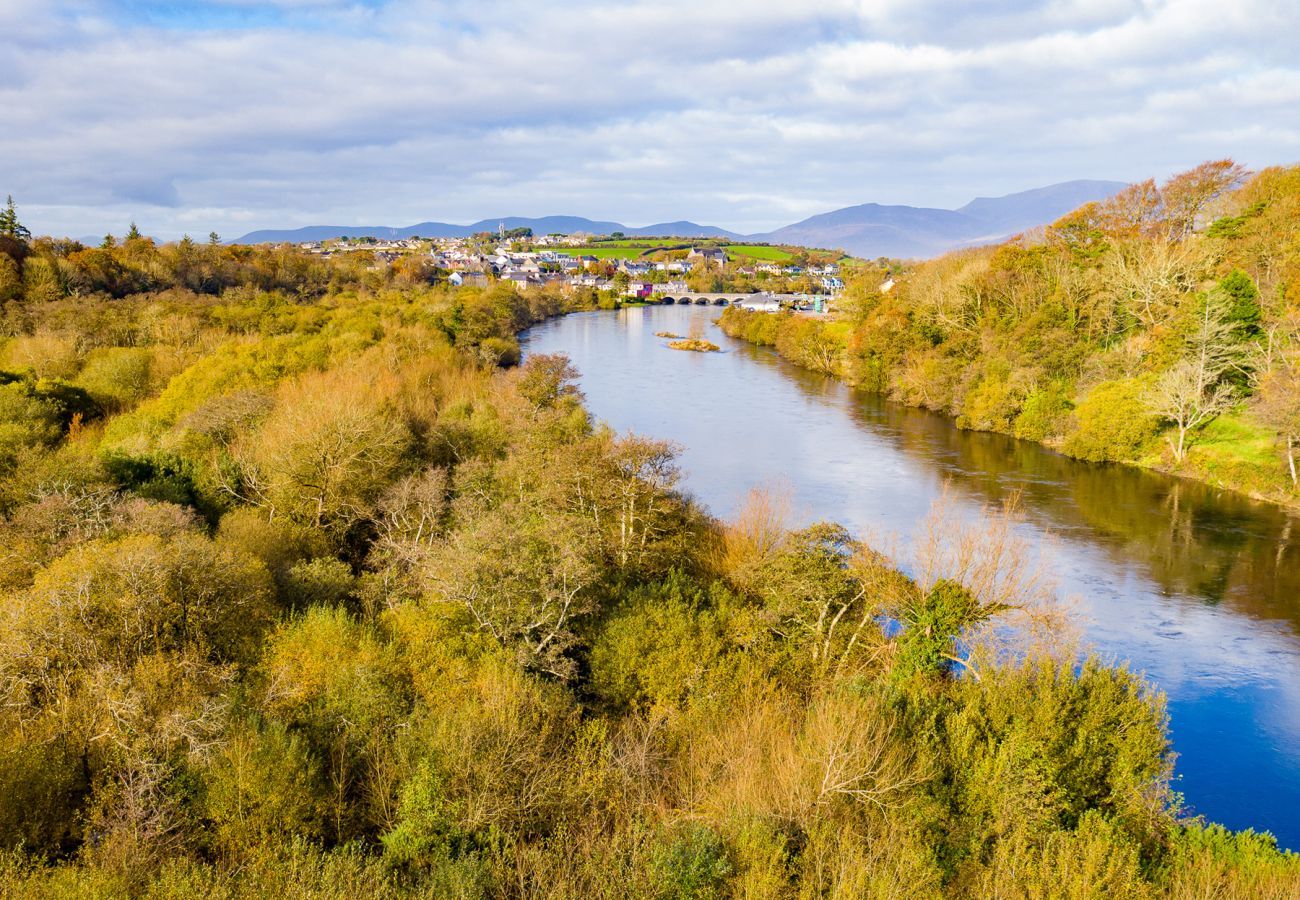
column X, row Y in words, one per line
column 869, row 230
column 872, row 230
column 543, row 225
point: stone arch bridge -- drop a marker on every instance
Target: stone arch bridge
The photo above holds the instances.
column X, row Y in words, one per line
column 698, row 299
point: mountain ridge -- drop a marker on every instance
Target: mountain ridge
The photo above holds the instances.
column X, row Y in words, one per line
column 867, row 229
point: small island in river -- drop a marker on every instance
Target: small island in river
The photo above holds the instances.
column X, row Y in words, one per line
column 699, row 345
column 667, row 334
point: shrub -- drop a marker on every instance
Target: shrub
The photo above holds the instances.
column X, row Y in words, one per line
column 656, row 647
column 1043, row 413
column 1113, row 422
column 117, row 377
column 690, row 863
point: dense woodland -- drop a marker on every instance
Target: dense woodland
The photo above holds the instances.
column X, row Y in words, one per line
column 309, row 590
column 1161, row 327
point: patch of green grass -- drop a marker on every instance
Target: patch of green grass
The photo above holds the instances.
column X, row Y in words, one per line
column 758, row 251
column 603, row 252
column 1233, row 435
column 1237, row 453
column 642, row 243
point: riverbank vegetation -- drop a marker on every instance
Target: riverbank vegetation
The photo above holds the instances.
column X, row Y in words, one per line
column 309, row 590
column 1161, row 328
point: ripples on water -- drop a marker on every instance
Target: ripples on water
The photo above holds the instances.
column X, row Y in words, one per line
column 1198, row 588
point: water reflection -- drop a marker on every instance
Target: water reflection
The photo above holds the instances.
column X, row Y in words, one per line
column 1192, row 539
column 1198, row 588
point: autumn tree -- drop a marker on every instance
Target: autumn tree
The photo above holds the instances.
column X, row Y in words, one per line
column 1279, row 407
column 1135, row 212
column 1189, row 194
column 324, row 456
column 1150, row 278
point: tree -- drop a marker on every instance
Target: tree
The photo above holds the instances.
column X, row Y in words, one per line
column 1183, row 397
column 1133, row 212
column 934, row 622
column 524, row 572
column 213, row 238
column 1187, row 195
column 1242, row 296
column 547, row 381
column 1149, row 277
column 324, row 455
column 1081, row 232
column 1279, row 407
column 134, row 233
column 813, row 599
column 11, row 279
column 9, row 224
column 1194, row 391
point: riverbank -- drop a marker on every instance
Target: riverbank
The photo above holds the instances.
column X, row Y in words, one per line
column 1199, row 589
column 1231, row 452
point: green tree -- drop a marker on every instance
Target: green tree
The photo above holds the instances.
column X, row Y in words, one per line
column 262, row 786
column 933, row 623
column 1242, row 306
column 9, row 224
column 531, row 599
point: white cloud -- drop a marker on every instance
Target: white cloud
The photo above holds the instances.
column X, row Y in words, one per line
column 337, row 110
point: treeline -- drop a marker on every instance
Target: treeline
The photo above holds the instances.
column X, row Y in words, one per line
column 46, row 269
column 308, row 596
column 1160, row 327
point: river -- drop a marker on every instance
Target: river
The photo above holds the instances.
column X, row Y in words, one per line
column 1197, row 588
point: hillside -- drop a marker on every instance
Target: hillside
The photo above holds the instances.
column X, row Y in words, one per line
column 1162, row 333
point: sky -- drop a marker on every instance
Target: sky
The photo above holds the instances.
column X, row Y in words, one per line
column 233, row 115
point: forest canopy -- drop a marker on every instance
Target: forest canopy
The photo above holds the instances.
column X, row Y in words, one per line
column 312, row 590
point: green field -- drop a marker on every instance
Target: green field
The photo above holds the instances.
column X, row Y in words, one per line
column 605, row 251
column 643, row 243
column 632, row 248
column 759, row 251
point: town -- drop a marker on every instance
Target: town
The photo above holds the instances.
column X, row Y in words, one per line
column 640, row 270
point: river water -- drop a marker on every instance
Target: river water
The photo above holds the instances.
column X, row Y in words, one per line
column 1197, row 588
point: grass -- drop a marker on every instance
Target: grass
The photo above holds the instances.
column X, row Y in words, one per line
column 633, row 248
column 605, row 252
column 1234, row 452
column 642, row 243
column 758, row 251
column 1235, row 436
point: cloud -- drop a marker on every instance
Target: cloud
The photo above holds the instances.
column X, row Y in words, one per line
column 301, row 111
